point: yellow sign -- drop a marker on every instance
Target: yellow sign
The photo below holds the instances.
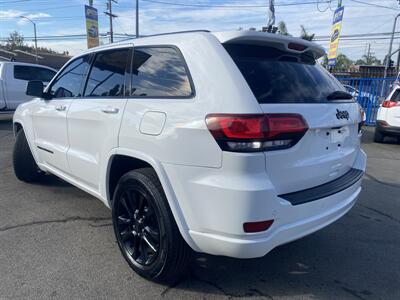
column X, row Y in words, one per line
column 335, row 36
column 92, row 26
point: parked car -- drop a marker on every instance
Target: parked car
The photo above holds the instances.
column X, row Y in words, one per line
column 388, row 118
column 14, row 77
column 220, row 143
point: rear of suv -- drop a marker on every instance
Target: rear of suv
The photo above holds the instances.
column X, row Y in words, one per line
column 388, row 118
column 224, row 143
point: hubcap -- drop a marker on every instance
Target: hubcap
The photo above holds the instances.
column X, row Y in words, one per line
column 137, row 227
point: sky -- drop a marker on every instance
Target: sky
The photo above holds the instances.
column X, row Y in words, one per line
column 54, row 17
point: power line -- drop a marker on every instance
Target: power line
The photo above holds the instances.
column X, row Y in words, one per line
column 232, row 6
column 373, row 4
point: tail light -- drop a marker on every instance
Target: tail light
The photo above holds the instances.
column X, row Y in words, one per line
column 389, row 104
column 255, row 133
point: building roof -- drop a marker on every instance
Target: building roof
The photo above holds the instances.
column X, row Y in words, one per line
column 55, row 61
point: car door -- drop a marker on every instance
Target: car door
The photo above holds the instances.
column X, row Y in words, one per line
column 18, row 78
column 94, row 119
column 49, row 117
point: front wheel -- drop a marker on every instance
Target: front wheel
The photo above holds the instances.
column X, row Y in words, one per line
column 146, row 232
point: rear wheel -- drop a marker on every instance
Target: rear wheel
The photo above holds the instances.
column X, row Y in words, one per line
column 146, row 232
column 378, row 137
column 25, row 167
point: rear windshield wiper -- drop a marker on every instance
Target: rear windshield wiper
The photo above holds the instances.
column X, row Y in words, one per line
column 339, row 95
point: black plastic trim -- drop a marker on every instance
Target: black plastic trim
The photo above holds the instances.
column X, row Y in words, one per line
column 44, row 149
column 324, row 190
column 388, row 130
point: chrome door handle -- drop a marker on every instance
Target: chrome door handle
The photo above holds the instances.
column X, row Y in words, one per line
column 110, row 110
column 61, row 107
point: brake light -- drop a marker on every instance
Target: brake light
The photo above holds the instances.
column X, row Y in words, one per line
column 296, row 47
column 256, row 132
column 389, row 104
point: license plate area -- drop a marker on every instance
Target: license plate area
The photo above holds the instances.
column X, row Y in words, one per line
column 338, row 135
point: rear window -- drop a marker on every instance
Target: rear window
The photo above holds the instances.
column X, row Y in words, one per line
column 396, row 96
column 276, row 76
column 33, row 73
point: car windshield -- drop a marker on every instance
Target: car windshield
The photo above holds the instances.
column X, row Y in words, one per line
column 276, row 76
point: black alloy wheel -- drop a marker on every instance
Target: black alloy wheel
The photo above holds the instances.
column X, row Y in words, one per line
column 137, row 227
column 145, row 228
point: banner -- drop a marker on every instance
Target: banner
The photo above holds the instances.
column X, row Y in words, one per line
column 335, row 36
column 92, row 26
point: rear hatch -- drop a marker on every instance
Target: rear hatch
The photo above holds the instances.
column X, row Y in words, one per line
column 290, row 81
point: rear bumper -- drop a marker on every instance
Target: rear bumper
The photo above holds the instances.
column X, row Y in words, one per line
column 387, row 129
column 216, row 203
column 278, row 234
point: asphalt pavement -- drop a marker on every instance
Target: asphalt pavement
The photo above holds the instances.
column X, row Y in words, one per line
column 57, row 242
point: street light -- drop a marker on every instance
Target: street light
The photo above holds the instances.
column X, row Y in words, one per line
column 34, row 30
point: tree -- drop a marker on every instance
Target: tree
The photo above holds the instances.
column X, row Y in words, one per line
column 282, row 29
column 15, row 40
column 342, row 62
column 369, row 60
column 305, row 35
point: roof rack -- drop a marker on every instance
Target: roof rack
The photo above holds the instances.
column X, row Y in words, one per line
column 132, row 37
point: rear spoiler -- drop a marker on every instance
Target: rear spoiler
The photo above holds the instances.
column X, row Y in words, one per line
column 282, row 42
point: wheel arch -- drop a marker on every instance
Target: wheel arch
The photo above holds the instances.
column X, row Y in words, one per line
column 17, row 126
column 126, row 157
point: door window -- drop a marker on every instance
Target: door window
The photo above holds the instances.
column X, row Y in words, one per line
column 68, row 83
column 159, row 72
column 28, row 73
column 107, row 75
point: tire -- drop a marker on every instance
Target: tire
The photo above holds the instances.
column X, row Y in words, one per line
column 142, row 217
column 378, row 136
column 25, row 167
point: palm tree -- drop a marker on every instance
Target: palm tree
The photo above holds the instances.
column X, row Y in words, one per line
column 282, row 29
column 305, row 35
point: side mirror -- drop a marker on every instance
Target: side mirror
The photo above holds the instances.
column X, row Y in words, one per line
column 35, row 88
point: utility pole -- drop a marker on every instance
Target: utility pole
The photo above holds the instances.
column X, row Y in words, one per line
column 34, row 31
column 389, row 55
column 111, row 15
column 137, row 18
column 398, row 62
column 368, row 54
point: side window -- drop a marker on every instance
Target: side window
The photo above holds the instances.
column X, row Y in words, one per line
column 22, row 73
column 43, row 74
column 69, row 82
column 33, row 73
column 159, row 72
column 107, row 75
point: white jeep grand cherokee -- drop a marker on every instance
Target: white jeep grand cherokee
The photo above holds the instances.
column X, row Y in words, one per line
column 224, row 143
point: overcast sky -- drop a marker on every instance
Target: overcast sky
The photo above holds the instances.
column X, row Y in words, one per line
column 56, row 17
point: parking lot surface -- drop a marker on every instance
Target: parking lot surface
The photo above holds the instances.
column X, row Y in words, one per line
column 57, row 242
